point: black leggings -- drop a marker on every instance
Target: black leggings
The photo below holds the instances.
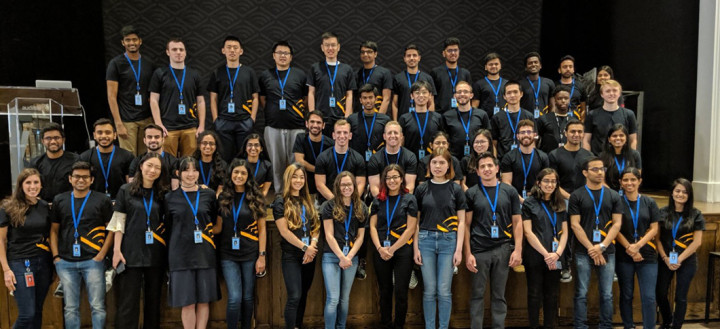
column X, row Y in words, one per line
column 685, row 274
column 298, row 279
column 401, row 264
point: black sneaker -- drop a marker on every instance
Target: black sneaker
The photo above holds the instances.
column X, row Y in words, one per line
column 361, row 274
column 59, row 292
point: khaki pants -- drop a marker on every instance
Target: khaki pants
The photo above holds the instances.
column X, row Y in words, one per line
column 134, row 141
column 181, row 142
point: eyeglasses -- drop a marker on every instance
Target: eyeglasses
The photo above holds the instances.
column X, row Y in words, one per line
column 393, row 177
column 366, row 52
column 549, row 181
column 597, row 169
column 282, row 53
column 330, row 45
column 81, row 177
column 207, row 143
column 52, row 138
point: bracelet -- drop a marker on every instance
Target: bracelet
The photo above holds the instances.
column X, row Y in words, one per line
column 315, row 240
column 56, row 257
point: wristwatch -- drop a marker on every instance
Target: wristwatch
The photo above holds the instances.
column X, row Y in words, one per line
column 304, row 248
column 263, row 253
column 602, row 247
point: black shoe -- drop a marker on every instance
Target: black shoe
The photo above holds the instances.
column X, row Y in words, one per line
column 361, row 274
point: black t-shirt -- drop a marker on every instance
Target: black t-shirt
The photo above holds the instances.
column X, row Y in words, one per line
column 582, row 204
column 528, row 99
column 502, row 129
column 551, row 131
column 359, row 141
column 91, row 229
column 262, row 171
column 327, row 165
column 163, row 83
column 649, row 213
column 508, row 204
column 438, row 204
column 569, row 166
column 599, row 121
column 612, row 176
column 208, row 169
column 455, row 123
column 685, row 233
column 119, row 70
column 542, row 227
column 404, row 158
column 294, row 92
column 243, row 89
column 471, row 177
column 319, row 78
column 183, row 252
column 411, row 129
column 513, row 162
column 406, row 206
column 444, row 85
column 485, row 93
column 380, row 78
column 169, row 165
column 401, row 88
column 246, row 228
column 134, row 249
column 54, row 173
column 577, row 93
column 119, row 169
column 356, row 223
column 311, row 150
column 423, row 165
column 278, row 210
column 30, row 239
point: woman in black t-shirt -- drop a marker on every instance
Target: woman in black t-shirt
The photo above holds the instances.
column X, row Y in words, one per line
column 617, row 155
column 213, row 168
column 298, row 222
column 242, row 241
column 393, row 219
column 482, row 142
column 681, row 231
column 139, row 245
column 24, row 251
column 253, row 151
column 546, row 234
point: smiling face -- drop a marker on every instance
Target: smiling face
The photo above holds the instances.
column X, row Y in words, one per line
column 367, row 55
column 81, row 180
column 367, row 99
column 151, row 169
column 512, row 94
column 153, row 139
column 487, row 169
column 297, row 181
column 32, row 186
column 610, row 94
column 421, row 96
column 104, row 135
column 330, row 47
column 253, row 148
column 393, row 180
column 680, row 194
column 493, row 66
column 347, row 186
column 411, row 58
column 532, row 65
column 239, row 175
column 630, row 183
column 451, row 54
column 282, row 56
column 189, row 176
column 526, row 135
column 53, row 141
column 393, row 135
column 617, row 138
column 315, row 125
column 342, row 135
column 481, row 144
column 603, row 75
column 574, row 133
column 463, row 93
column 548, row 184
column 131, row 43
column 208, row 145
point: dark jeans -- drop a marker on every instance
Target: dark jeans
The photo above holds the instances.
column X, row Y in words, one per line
column 647, row 274
column 585, row 266
column 298, row 279
column 232, row 134
column 682, row 284
column 543, row 286
column 240, row 281
column 30, row 299
column 400, row 265
column 128, row 285
column 493, row 265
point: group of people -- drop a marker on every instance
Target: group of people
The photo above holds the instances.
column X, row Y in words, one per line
column 433, row 172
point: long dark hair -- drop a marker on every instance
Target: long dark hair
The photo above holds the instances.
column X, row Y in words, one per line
column 383, row 194
column 218, row 169
column 556, row 201
column 16, row 205
column 608, row 154
column 253, row 195
column 474, row 156
column 159, row 185
column 688, row 224
column 243, row 151
column 338, row 208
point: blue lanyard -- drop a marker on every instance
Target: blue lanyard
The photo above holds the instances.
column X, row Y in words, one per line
column 236, row 212
column 194, row 209
column 408, row 77
column 332, row 79
column 206, row 179
column 372, row 125
column 634, row 215
column 232, row 82
column 517, row 122
column 257, row 166
column 369, row 74
column 340, row 169
column 76, row 219
column 422, row 129
column 322, row 139
column 304, row 220
column 387, row 160
column 282, row 83
column 526, row 169
column 135, row 73
column 675, row 230
column 619, row 167
column 596, row 205
column 148, row 207
column 105, row 173
column 493, row 204
column 495, row 91
column 347, row 224
column 553, row 218
column 536, row 92
column 453, row 81
column 179, row 84
column 389, row 215
column 466, row 127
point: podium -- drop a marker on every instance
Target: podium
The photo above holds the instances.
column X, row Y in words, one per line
column 28, row 111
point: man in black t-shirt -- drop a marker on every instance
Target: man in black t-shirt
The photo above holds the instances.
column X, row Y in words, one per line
column 128, row 78
column 282, row 95
column 520, row 166
column 402, row 83
column 331, row 84
column 376, row 75
column 55, row 165
column 367, row 125
column 395, row 153
column 600, row 120
column 111, row 162
column 578, row 96
column 505, row 123
column 308, row 146
column 536, row 89
column 462, row 123
column 234, row 102
column 153, row 139
column 176, row 101
column 447, row 76
column 488, row 92
column 339, row 158
column 568, row 160
column 551, row 125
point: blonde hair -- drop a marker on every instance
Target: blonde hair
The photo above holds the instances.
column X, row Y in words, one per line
column 292, row 212
column 610, row 83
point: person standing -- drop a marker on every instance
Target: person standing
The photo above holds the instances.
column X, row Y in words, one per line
column 153, row 139
column 376, row 75
column 505, row 125
column 339, row 158
column 213, row 169
column 367, row 126
column 55, row 166
column 461, row 123
column 482, row 142
column 421, row 124
column 521, row 165
column 600, row 120
column 308, row 146
column 551, row 125
column 447, row 76
column 253, row 151
column 402, row 84
column 113, row 161
column 488, row 91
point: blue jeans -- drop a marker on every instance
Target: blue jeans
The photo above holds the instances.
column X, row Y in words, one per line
column 240, row 281
column 647, row 277
column 437, row 249
column 338, row 283
column 30, row 299
column 605, row 273
column 71, row 276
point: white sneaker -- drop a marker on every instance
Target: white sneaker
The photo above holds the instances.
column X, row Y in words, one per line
column 413, row 280
column 109, row 276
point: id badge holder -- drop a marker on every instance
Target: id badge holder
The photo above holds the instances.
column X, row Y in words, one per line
column 231, row 107
column 421, row 154
column 555, row 246
column 368, row 154
column 387, row 243
column 411, row 109
column 181, row 109
column 107, row 194
column 138, row 99
column 496, row 110
column 620, row 192
column 29, row 279
column 524, row 194
column 558, row 264
column 453, row 102
column 673, row 257
column 514, row 146
column 466, row 150
column 494, row 232
column 149, row 237
column 306, row 241
column 235, row 243
column 332, row 101
column 197, row 235
column 536, row 113
column 346, row 250
column 76, row 249
column 597, row 236
column 282, row 104
column 561, row 144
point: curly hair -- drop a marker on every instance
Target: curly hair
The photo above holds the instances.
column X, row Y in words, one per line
column 218, row 169
column 293, row 210
column 253, row 195
column 338, row 208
